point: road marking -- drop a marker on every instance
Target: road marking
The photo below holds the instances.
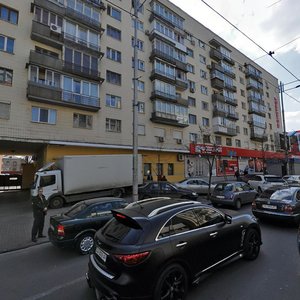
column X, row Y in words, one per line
column 55, row 289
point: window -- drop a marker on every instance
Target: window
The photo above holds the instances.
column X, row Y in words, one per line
column 113, row 32
column 203, row 74
column 244, row 118
column 184, row 221
column 139, row 44
column 269, row 115
column 228, row 142
column 240, row 69
column 242, row 81
column 208, row 216
column 270, row 126
column 113, row 125
column 43, row 115
column 204, row 105
column 202, row 59
column 268, row 95
column 237, row 129
column 9, row 15
column 192, row 85
column 113, row 54
column 140, row 64
column 140, row 86
column 193, row 137
column 192, row 119
column 206, row 139
column 141, row 107
column 6, row 76
column 147, row 167
column 6, row 44
column 192, row 101
column 47, row 180
column 82, row 121
column 113, row 77
column 114, row 13
column 201, row 44
column 190, row 68
column 238, row 143
column 190, row 52
column 243, row 105
column 159, row 169
column 245, row 131
column 218, row 140
column 205, row 122
column 113, row 101
column 170, row 169
column 204, row 90
column 4, row 110
column 141, row 130
column 243, row 93
column 139, row 24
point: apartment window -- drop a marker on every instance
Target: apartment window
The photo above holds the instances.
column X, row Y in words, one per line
column 82, row 121
column 147, row 168
column 192, row 85
column 206, row 139
column 203, row 74
column 218, row 140
column 237, row 129
column 238, row 143
column 140, row 85
column 140, row 64
column 45, row 17
column 113, row 125
column 269, row 115
column 114, row 78
column 141, row 107
column 268, row 95
column 240, row 69
column 113, row 101
column 9, row 15
column 159, row 169
column 245, row 131
column 190, row 52
column 113, row 32
column 193, row 137
column 242, row 81
column 228, row 142
column 114, row 13
column 139, row 44
column 204, row 105
column 271, row 138
column 205, row 122
column 6, row 44
column 204, row 90
column 6, row 76
column 4, row 110
column 139, row 24
column 141, row 130
column 43, row 115
column 201, row 44
column 170, row 169
column 270, row 126
column 113, row 54
column 244, row 118
column 202, row 59
column 191, row 101
column 243, row 93
column 190, row 68
column 243, row 105
column 192, row 119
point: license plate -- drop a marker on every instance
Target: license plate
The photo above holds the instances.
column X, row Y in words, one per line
column 220, row 197
column 269, row 206
column 101, row 254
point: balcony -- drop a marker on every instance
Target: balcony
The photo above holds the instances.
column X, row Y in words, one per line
column 217, row 67
column 162, row 75
column 258, row 111
column 255, row 99
column 82, row 71
column 230, row 87
column 182, row 101
column 156, row 94
column 169, row 119
column 79, row 17
column 97, row 3
column 44, row 60
column 229, row 73
column 155, row 15
column 258, row 137
column 252, row 123
column 217, row 83
column 220, row 97
column 218, row 112
column 228, row 59
column 257, row 88
column 181, row 84
column 42, row 33
column 255, row 75
column 215, row 54
column 42, row 92
column 230, row 131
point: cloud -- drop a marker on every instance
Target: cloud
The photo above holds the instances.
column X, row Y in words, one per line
column 292, row 121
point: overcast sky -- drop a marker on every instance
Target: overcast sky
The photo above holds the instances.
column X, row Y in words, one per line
column 271, row 24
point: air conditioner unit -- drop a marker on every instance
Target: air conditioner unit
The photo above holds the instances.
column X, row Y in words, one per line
column 180, row 157
column 55, row 28
column 192, row 90
column 161, row 139
column 147, row 32
column 208, row 67
column 179, row 141
column 193, row 42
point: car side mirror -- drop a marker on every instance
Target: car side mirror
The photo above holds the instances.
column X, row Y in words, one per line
column 228, row 219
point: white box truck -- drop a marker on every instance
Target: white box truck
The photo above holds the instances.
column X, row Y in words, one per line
column 80, row 177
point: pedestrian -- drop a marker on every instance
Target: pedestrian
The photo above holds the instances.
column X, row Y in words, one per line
column 237, row 175
column 163, row 178
column 39, row 207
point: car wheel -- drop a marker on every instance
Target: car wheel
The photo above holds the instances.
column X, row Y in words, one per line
column 238, row 204
column 172, row 284
column 85, row 243
column 117, row 193
column 56, row 202
column 251, row 244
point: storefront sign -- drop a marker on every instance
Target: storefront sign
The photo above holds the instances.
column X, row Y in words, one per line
column 208, row 149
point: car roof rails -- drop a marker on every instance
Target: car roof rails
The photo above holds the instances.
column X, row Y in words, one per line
column 139, row 202
column 163, row 208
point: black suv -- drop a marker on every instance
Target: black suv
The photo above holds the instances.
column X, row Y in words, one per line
column 154, row 248
column 77, row 227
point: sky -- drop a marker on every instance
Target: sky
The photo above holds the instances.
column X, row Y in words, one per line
column 273, row 24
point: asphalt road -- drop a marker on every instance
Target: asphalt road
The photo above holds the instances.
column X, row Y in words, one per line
column 45, row 272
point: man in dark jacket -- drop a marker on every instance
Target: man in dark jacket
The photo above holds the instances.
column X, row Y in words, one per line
column 39, row 206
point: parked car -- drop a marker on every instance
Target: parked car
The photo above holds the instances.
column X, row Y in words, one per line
column 286, row 177
column 262, row 182
column 77, row 227
column 154, row 248
column 293, row 180
column 234, row 193
column 164, row 189
column 283, row 204
column 198, row 185
column 247, row 177
column 298, row 239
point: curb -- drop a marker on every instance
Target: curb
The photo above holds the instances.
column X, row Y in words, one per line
column 22, row 247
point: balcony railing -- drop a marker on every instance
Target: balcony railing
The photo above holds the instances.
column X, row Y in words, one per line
column 256, row 99
column 160, row 74
column 258, row 88
column 215, row 54
column 220, row 97
column 169, row 119
column 79, row 99
column 258, row 137
column 218, row 112
column 181, row 84
column 82, row 71
column 230, row 131
column 259, row 111
column 254, row 75
column 230, row 87
column 164, row 96
column 217, row 83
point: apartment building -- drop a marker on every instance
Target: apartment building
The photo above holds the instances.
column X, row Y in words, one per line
column 66, row 87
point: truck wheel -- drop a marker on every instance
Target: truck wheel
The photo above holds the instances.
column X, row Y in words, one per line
column 56, row 202
column 85, row 243
column 117, row 193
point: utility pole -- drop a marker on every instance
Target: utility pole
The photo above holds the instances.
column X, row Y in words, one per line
column 135, row 109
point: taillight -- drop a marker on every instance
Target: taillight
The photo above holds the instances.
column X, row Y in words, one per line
column 60, row 230
column 132, row 259
column 288, row 208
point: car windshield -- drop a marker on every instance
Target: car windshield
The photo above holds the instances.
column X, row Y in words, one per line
column 224, row 187
column 75, row 209
column 282, row 195
column 274, row 179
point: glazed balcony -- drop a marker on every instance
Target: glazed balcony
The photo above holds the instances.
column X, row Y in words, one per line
column 156, row 94
column 218, row 112
column 254, row 87
column 215, row 54
column 219, row 97
column 228, row 59
column 261, row 111
column 230, row 87
column 162, row 75
column 181, row 84
column 217, row 83
column 168, row 119
column 255, row 99
column 230, row 131
column 82, row 71
column 252, row 74
column 54, row 7
column 258, row 137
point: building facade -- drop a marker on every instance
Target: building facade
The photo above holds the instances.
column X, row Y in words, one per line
column 66, row 86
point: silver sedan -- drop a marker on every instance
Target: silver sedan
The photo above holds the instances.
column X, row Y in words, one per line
column 195, row 184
